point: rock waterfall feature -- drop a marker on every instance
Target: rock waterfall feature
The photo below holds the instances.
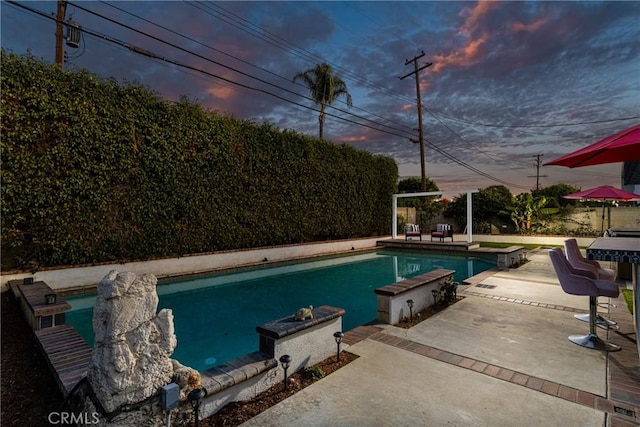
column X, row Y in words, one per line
column 133, row 345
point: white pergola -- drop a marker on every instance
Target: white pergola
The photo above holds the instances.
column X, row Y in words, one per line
column 394, row 232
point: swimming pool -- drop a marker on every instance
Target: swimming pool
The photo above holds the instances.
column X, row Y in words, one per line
column 216, row 316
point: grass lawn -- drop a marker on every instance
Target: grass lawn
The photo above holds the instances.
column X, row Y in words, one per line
column 628, row 297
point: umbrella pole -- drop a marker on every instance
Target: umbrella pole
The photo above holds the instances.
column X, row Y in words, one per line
column 602, row 229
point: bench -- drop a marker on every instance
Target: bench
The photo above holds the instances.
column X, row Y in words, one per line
column 412, row 230
column 67, row 354
column 442, row 231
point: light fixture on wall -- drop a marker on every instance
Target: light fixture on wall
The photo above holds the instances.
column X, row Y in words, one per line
column 285, row 360
column 338, row 337
column 434, row 292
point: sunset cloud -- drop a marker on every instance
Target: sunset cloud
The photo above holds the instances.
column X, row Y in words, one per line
column 221, row 92
column 348, row 139
column 498, row 68
column 462, row 57
column 475, row 15
column 520, row 27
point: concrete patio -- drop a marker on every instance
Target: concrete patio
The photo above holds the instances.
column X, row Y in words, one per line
column 499, row 357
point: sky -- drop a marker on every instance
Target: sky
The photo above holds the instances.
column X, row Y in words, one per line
column 508, row 81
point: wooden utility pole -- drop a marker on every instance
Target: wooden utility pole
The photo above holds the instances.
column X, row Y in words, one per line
column 420, row 131
column 62, row 10
column 538, row 176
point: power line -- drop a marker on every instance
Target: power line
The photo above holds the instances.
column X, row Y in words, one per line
column 232, row 56
column 231, row 69
column 152, row 55
column 534, row 126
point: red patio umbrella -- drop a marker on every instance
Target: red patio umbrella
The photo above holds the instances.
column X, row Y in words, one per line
column 604, row 193
column 623, row 146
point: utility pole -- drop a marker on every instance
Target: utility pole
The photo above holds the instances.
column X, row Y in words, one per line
column 62, row 9
column 420, row 131
column 538, row 176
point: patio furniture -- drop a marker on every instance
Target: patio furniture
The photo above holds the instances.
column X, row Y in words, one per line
column 575, row 284
column 442, row 231
column 578, row 261
column 412, row 230
column 584, row 267
column 623, row 251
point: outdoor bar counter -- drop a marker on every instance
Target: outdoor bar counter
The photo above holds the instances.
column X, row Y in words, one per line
column 621, row 249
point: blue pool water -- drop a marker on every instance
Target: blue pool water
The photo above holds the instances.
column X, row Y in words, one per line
column 216, row 316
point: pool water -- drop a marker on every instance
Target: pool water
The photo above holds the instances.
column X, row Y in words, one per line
column 215, row 317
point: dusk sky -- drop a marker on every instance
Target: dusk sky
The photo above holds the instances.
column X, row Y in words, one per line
column 509, row 80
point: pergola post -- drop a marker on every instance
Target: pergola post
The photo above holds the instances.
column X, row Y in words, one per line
column 469, row 218
column 394, row 231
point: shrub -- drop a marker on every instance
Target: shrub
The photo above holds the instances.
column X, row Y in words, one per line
column 96, row 171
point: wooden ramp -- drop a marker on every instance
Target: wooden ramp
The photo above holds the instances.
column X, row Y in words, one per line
column 67, row 354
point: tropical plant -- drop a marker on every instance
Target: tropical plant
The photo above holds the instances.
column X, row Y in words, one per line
column 524, row 209
column 324, row 87
column 554, row 194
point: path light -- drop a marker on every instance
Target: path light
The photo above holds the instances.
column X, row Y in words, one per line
column 434, row 292
column 195, row 397
column 410, row 304
column 286, row 362
column 338, row 336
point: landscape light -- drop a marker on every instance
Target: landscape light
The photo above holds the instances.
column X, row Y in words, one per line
column 410, row 304
column 195, row 397
column 338, row 337
column 285, row 360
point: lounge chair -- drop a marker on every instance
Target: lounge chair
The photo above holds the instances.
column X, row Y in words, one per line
column 412, row 230
column 442, row 231
column 576, row 284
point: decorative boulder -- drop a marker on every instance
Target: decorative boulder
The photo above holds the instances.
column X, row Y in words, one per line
column 131, row 355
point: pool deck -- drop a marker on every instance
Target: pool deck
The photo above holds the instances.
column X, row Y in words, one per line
column 498, row 357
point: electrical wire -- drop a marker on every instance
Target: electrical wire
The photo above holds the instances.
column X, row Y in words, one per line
column 233, row 56
column 192, row 68
column 236, row 71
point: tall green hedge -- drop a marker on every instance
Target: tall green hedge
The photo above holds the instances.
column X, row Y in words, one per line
column 93, row 170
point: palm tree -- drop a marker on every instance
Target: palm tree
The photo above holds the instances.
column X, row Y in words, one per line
column 324, row 87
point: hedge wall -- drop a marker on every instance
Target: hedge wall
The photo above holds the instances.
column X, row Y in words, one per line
column 95, row 171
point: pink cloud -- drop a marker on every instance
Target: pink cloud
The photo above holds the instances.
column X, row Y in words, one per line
column 355, row 138
column 475, row 14
column 462, row 57
column 221, row 92
column 520, row 27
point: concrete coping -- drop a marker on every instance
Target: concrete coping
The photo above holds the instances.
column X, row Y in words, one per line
column 236, row 371
column 281, row 328
column 506, row 250
column 415, row 282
